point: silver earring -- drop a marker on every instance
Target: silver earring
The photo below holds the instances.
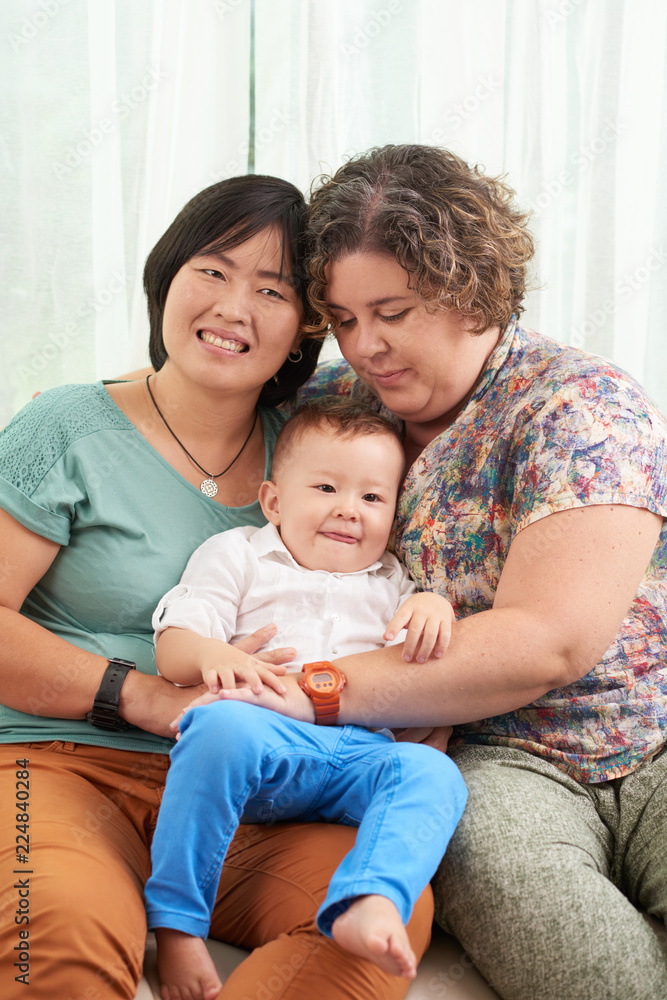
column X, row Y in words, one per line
column 298, row 357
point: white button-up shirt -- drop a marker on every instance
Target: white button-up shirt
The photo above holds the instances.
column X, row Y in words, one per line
column 244, row 578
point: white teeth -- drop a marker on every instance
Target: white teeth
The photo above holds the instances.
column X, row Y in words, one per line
column 229, row 345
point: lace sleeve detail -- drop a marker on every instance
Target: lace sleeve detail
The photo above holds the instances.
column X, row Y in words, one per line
column 41, row 433
column 50, row 454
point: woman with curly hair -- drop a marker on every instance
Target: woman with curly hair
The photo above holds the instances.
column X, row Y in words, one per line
column 534, row 501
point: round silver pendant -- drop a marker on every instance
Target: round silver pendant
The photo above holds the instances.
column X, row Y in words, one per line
column 208, row 488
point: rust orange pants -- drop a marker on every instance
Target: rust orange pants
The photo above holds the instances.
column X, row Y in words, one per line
column 72, row 922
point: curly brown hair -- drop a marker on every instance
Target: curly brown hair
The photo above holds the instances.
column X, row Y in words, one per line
column 453, row 229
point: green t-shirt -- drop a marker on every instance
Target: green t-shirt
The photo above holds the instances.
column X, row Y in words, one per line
column 75, row 470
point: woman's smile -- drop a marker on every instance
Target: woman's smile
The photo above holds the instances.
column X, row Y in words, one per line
column 225, row 341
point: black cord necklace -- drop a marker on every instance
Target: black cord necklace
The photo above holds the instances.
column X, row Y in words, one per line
column 207, row 486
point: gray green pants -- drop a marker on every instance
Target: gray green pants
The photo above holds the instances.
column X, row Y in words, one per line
column 543, row 874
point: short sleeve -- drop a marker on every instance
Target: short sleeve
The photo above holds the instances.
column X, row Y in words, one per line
column 209, row 594
column 593, row 441
column 183, row 607
column 41, row 482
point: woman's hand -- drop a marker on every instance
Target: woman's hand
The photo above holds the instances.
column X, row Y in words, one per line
column 203, row 699
column 153, row 703
column 294, row 703
column 254, row 642
column 431, row 736
column 275, row 659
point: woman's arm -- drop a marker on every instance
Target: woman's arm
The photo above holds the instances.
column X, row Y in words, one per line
column 565, row 589
column 37, row 667
column 44, row 675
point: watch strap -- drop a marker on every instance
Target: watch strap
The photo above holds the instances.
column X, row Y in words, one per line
column 327, row 709
column 104, row 713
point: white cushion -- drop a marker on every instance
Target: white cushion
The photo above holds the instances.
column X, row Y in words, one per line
column 444, row 971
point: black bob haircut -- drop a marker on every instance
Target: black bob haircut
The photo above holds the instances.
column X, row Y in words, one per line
column 219, row 218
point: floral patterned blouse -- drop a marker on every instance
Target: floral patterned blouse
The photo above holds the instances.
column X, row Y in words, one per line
column 547, row 428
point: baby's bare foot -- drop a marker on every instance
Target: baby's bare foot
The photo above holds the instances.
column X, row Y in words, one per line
column 185, row 967
column 372, row 928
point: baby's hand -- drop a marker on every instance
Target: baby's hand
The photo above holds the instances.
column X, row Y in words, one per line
column 225, row 667
column 428, row 619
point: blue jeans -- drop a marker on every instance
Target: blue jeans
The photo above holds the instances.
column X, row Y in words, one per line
column 240, row 763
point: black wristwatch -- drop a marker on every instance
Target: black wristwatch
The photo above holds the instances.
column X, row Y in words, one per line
column 104, row 713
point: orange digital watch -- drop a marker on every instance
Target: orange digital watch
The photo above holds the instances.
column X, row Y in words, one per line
column 323, row 684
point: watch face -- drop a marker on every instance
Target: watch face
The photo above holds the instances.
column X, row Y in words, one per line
column 323, row 681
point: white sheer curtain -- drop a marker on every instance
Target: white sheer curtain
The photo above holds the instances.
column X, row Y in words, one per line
column 116, row 112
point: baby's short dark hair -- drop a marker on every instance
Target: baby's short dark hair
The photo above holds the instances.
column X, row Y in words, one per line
column 349, row 417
